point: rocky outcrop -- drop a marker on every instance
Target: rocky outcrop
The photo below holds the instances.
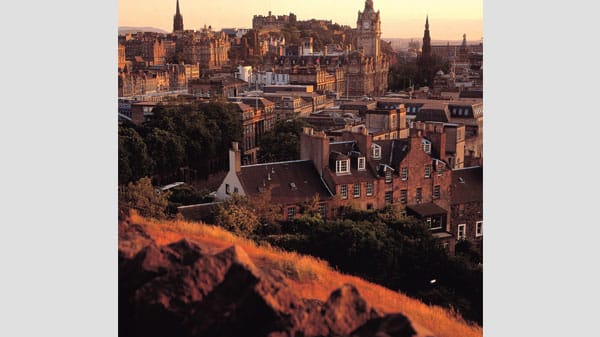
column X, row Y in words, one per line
column 181, row 290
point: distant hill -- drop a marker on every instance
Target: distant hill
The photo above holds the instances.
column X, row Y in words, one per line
column 180, row 278
column 130, row 30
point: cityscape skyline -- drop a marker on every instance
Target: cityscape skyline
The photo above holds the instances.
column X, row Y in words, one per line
column 448, row 21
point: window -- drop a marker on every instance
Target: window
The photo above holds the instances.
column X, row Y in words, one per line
column 436, row 191
column 344, row 191
column 361, row 163
column 376, row 151
column 419, row 194
column 388, row 197
column 440, row 169
column 405, row 173
column 291, row 213
column 428, row 171
column 462, row 232
column 369, row 189
column 357, row 190
column 323, row 210
column 428, row 222
column 426, row 146
column 388, row 176
column 235, row 190
column 369, row 206
column 227, row 191
column 479, row 228
column 403, row 196
column 341, row 166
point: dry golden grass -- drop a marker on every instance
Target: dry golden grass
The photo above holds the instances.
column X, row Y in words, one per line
column 312, row 278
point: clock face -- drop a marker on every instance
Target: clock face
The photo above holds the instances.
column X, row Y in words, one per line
column 366, row 24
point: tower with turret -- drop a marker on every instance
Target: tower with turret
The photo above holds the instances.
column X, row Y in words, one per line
column 368, row 31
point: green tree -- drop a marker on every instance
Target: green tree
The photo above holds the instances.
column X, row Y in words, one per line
column 167, row 150
column 282, row 143
column 144, row 198
column 237, row 216
column 134, row 160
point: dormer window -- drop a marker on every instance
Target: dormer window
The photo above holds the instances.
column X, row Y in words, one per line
column 427, row 146
column 376, row 151
column 361, row 163
column 342, row 166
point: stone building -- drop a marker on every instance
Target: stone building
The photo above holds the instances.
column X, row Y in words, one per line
column 367, row 68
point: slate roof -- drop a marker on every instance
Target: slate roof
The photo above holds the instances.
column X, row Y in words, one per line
column 290, row 182
column 426, row 209
column 467, row 185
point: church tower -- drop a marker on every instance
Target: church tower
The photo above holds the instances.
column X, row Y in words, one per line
column 368, row 29
column 178, row 20
column 426, row 50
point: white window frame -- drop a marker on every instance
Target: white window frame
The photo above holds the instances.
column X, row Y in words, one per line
column 369, row 189
column 376, row 151
column 419, row 195
column 323, row 210
column 464, row 232
column 403, row 196
column 291, row 213
column 339, row 166
column 437, row 191
column 356, row 189
column 361, row 163
column 404, row 173
column 388, row 176
column 391, row 199
column 479, row 228
column 427, row 147
column 427, row 170
column 344, row 191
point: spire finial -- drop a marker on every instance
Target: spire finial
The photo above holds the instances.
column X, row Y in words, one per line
column 427, row 22
column 177, row 12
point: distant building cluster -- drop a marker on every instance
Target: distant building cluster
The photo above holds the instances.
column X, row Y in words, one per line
column 367, row 148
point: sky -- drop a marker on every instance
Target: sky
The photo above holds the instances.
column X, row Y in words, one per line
column 448, row 20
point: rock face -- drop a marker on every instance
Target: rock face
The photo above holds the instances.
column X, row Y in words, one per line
column 180, row 290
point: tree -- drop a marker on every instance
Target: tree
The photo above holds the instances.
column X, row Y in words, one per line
column 167, row 151
column 144, row 198
column 282, row 143
column 134, row 160
column 236, row 216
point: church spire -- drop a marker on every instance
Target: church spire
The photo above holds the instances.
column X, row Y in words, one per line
column 426, row 49
column 177, row 20
column 369, row 4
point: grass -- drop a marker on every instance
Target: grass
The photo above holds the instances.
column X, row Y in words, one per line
column 310, row 277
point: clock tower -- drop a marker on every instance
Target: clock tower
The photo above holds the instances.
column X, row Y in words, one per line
column 368, row 29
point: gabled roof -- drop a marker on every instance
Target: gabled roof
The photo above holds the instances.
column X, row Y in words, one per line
column 392, row 152
column 290, row 182
column 467, row 185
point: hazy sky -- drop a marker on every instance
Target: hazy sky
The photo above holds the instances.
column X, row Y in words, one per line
column 448, row 19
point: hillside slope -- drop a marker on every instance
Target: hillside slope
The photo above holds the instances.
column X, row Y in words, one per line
column 192, row 279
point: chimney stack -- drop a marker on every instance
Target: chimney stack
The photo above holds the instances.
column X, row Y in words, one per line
column 235, row 158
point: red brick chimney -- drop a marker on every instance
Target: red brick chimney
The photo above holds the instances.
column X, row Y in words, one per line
column 363, row 139
column 314, row 146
